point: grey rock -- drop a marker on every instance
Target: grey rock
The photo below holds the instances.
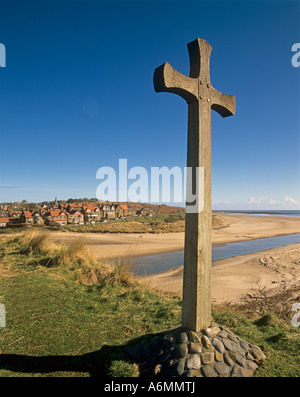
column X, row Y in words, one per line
column 246, row 372
column 194, row 348
column 183, row 338
column 223, row 334
column 218, row 345
column 218, row 356
column 240, row 360
column 236, row 372
column 222, row 369
column 180, row 351
column 207, row 357
column 193, row 337
column 193, row 362
column 206, row 342
column 251, row 365
column 235, row 347
column 191, row 373
column 197, row 354
column 233, row 338
column 227, row 344
column 208, row 371
column 249, row 356
column 180, row 367
column 228, row 360
column 211, row 332
column 257, row 354
column 244, row 345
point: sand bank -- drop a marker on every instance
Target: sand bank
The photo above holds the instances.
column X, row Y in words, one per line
column 234, row 277
column 236, row 228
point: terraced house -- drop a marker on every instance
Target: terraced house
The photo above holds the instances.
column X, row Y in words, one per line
column 121, row 210
column 37, row 218
column 75, row 217
column 56, row 215
column 109, row 211
column 26, row 218
column 91, row 213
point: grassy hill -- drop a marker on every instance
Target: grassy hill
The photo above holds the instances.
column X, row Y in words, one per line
column 70, row 316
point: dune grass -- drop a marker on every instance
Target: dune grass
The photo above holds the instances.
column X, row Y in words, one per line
column 33, row 242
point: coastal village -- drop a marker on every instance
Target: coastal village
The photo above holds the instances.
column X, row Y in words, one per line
column 61, row 213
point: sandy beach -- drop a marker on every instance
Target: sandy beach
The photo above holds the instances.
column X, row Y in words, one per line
column 234, row 277
column 235, row 228
column 231, row 277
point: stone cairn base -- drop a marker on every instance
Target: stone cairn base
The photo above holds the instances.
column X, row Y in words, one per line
column 214, row 352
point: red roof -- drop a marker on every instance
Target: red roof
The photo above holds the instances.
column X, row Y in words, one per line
column 56, row 213
column 76, row 212
column 90, row 207
column 27, row 214
column 4, row 219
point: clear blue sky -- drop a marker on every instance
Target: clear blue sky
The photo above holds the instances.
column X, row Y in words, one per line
column 77, row 94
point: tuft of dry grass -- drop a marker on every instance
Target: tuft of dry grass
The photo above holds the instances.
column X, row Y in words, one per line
column 120, row 271
column 111, row 271
column 76, row 253
column 34, row 242
column 78, row 258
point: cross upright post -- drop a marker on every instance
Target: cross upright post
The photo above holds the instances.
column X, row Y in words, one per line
column 201, row 97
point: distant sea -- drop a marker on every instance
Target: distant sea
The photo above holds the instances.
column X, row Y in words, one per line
column 293, row 213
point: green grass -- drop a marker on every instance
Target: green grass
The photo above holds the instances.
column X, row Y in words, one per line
column 49, row 316
column 57, row 326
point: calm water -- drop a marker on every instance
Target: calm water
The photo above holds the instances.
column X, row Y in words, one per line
column 159, row 263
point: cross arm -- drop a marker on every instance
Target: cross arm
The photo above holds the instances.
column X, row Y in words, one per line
column 223, row 104
column 167, row 79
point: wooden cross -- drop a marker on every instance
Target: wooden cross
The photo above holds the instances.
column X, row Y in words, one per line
column 201, row 97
